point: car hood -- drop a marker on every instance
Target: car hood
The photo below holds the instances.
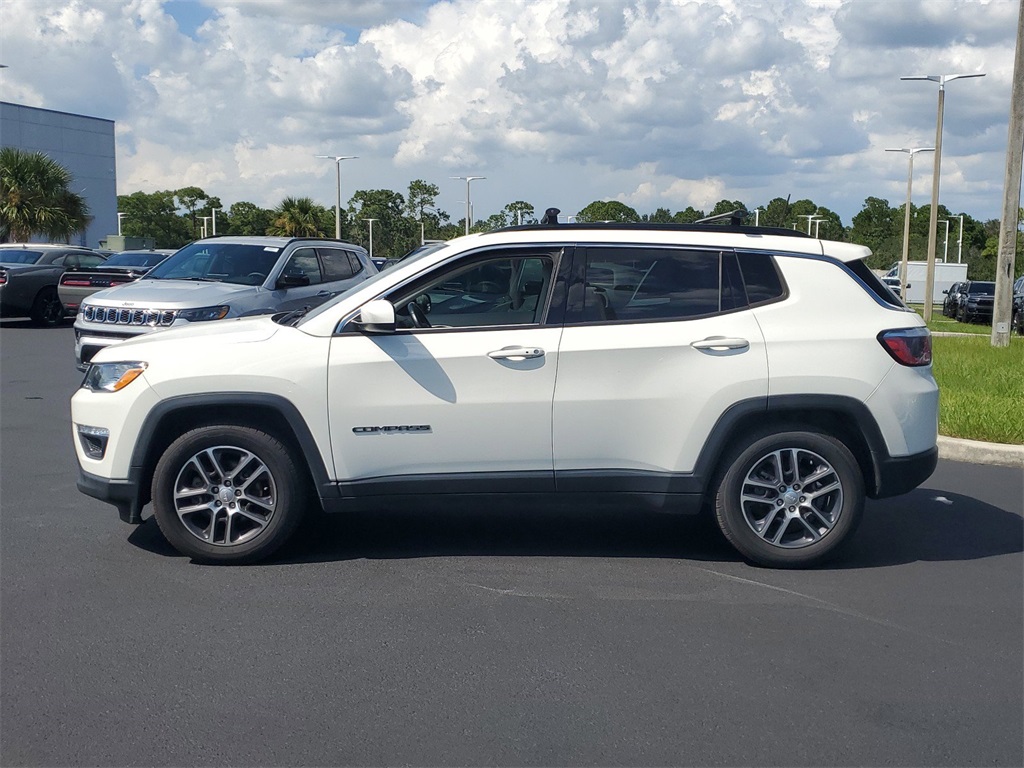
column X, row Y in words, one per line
column 171, row 294
column 240, row 330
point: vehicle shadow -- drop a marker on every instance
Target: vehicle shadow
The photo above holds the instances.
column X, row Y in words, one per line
column 906, row 529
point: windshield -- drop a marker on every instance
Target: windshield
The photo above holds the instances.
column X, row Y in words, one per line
column 982, row 288
column 415, row 255
column 241, row 263
column 135, row 259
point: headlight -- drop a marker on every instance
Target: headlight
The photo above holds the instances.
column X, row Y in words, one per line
column 110, row 377
column 204, row 313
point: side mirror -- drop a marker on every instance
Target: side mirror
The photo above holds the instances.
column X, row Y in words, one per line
column 295, row 279
column 908, row 287
column 376, row 317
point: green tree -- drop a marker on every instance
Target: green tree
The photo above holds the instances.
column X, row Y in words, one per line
column 687, row 216
column 776, row 213
column 189, row 198
column 727, row 206
column 660, row 216
column 154, row 214
column 421, row 196
column 245, row 218
column 520, row 212
column 608, row 210
column 394, row 234
column 298, row 217
column 880, row 228
column 35, row 198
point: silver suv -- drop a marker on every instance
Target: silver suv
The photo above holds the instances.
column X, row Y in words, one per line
column 218, row 278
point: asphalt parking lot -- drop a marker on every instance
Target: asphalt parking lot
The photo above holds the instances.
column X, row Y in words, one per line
column 495, row 637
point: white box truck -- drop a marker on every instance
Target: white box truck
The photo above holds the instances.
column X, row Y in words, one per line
column 946, row 274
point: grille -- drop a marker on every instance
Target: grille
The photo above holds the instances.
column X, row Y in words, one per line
column 156, row 318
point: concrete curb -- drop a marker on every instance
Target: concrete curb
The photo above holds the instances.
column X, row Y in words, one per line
column 977, row 452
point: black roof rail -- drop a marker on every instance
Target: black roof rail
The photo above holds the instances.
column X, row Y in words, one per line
column 666, row 227
column 735, row 218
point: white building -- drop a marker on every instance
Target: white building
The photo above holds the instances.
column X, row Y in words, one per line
column 83, row 145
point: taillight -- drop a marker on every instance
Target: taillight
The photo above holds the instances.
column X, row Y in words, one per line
column 3, row 277
column 71, row 281
column 908, row 346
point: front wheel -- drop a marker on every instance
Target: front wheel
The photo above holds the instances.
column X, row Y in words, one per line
column 228, row 494
column 789, row 499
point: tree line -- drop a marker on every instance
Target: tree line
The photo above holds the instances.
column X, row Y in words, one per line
column 35, row 199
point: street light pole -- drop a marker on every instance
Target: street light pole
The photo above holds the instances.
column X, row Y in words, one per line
column 906, row 216
column 929, row 283
column 960, row 241
column 808, row 216
column 119, row 217
column 371, row 235
column 469, row 207
column 213, row 212
column 945, row 243
column 205, row 219
column 337, row 206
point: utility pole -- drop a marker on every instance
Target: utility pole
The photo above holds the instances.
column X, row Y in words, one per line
column 1011, row 198
column 929, row 281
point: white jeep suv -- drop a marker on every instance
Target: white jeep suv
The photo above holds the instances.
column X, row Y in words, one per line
column 765, row 377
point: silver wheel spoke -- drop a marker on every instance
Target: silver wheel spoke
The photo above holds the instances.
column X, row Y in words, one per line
column 806, row 513
column 221, row 511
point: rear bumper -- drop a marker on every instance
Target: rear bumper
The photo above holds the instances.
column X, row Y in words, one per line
column 900, row 474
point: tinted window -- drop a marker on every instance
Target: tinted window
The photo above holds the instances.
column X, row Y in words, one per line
column 491, row 292
column 18, row 256
column 760, row 277
column 304, row 262
column 355, row 263
column 874, row 284
column 336, row 264
column 130, row 259
column 650, row 284
column 984, row 288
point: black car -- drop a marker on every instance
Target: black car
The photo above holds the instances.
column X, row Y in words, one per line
column 951, row 303
column 29, row 273
column 976, row 301
column 1018, row 305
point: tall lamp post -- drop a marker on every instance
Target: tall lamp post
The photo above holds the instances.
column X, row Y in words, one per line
column 371, row 235
column 929, row 283
column 337, row 206
column 808, row 216
column 960, row 241
column 119, row 217
column 423, row 231
column 906, row 216
column 469, row 207
column 945, row 243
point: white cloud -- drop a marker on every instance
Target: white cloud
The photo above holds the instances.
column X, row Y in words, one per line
column 558, row 102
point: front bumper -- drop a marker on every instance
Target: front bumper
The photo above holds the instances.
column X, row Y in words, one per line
column 123, row 494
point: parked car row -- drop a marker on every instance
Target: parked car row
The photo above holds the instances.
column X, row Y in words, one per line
column 121, row 268
column 30, row 274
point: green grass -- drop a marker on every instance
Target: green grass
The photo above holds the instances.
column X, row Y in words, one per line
column 949, row 325
column 981, row 388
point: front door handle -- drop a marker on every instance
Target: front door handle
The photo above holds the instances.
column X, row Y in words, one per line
column 516, row 353
column 720, row 343
column 326, row 294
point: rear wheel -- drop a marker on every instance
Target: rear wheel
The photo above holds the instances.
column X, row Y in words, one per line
column 228, row 494
column 789, row 499
column 46, row 308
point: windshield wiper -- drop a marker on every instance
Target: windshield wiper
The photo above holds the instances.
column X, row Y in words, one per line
column 291, row 318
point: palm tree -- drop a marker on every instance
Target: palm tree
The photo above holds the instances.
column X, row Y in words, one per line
column 297, row 217
column 35, row 199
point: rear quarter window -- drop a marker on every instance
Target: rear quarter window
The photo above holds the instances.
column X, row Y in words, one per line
column 881, row 291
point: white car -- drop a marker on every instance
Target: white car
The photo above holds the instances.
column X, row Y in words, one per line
column 758, row 375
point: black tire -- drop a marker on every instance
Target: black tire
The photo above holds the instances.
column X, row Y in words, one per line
column 206, row 515
column 765, row 476
column 1018, row 322
column 46, row 308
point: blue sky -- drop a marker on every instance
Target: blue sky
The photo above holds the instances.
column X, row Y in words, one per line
column 656, row 103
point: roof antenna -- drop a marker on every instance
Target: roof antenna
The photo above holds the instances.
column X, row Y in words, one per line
column 550, row 216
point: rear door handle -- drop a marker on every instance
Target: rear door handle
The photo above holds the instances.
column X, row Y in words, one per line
column 720, row 343
column 516, row 353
